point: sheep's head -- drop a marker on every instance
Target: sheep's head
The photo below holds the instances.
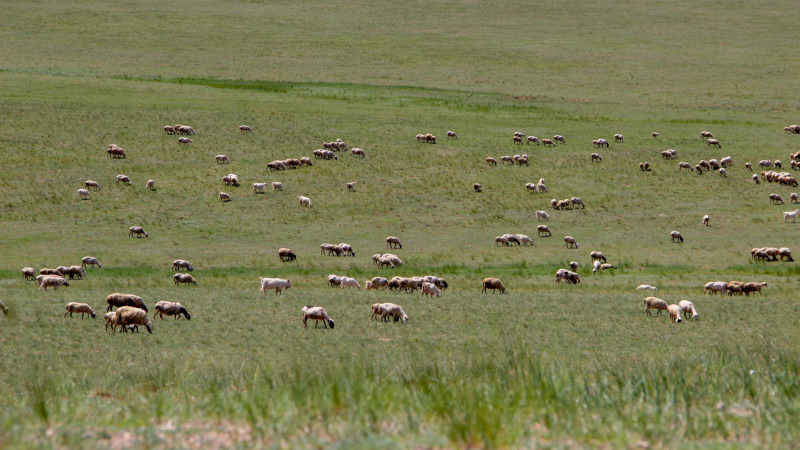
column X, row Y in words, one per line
column 679, row 320
column 149, row 327
column 66, row 284
column 330, row 322
column 405, row 318
column 93, row 315
column 185, row 313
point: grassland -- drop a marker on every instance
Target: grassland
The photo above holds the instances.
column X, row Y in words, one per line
column 545, row 365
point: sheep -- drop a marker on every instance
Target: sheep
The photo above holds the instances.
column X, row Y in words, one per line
column 776, row 199
column 183, row 278
column 75, row 271
column 258, row 188
column 785, row 254
column 286, row 254
column 559, row 138
column 548, row 143
column 517, row 140
column 577, row 201
column 726, row 161
column 171, row 309
column 530, row 187
column 477, row 187
column 377, row 282
column 570, row 242
column 115, row 152
column 306, row 161
column 534, row 139
column 493, row 284
column 430, row 139
column 388, row 310
column 83, row 308
column 723, row 173
column 654, row 303
column 597, row 256
column 124, row 179
column 519, row 133
column 222, row 159
column 524, row 240
column 674, row 313
column 377, row 310
column 766, row 163
column 117, row 299
column 541, row 188
column 790, row 215
column 599, row 143
column 277, row 284
column 688, row 309
column 542, row 216
column 699, row 169
column 179, row 264
column 334, row 281
column 644, row 166
column 393, row 260
column 304, row 201
column 224, row 197
column 753, row 287
column 669, row 154
column 619, row 138
column 420, row 138
column 507, row 159
column 83, row 194
column 523, row 161
column 544, row 230
column 393, row 242
column 358, row 152
column 151, row 185
column 230, row 179
column 573, row 265
column 185, row 130
column 491, row 161
column 676, row 236
column 111, row 319
column 347, row 250
column 706, row 220
column 28, row 273
column 755, row 179
column 184, row 140
column 53, row 281
column 500, row 240
column 430, row 289
column 646, row 287
column 655, row 134
column 596, row 157
column 748, row 166
column 245, row 129
column 706, row 134
column 316, row 313
column 778, row 163
column 277, row 186
column 169, row 130
column 128, row 315
column 46, row 271
column 452, row 135
column 712, row 287
column 351, row 186
column 599, row 266
column 92, row 184
column 349, row 283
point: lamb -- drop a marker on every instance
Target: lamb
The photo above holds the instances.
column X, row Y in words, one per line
column 646, row 287
column 50, row 280
column 28, row 273
column 644, row 166
column 277, row 284
column 277, row 186
column 674, row 313
column 619, row 138
column 430, row 289
column 699, row 169
column 599, row 266
column 491, row 161
column 544, row 230
column 676, row 236
column 393, row 242
column 83, row 308
column 570, row 242
column 534, row 139
column 452, row 135
column 304, row 201
column 723, row 173
column 494, row 284
column 128, row 315
column 500, row 240
column 395, row 311
column 151, row 184
column 184, row 278
column 92, row 184
column 111, row 319
column 654, row 303
column 597, row 256
column 559, row 138
column 222, row 159
column 316, row 313
column 351, row 186
column 224, row 197
column 596, row 157
column 245, row 129
column 688, row 309
column 179, row 264
column 706, row 220
column 712, row 287
column 119, row 300
column 124, row 179
column 358, row 152
column 258, row 188
column 776, row 199
column 524, row 240
column 138, row 231
column 184, row 140
column 790, row 215
column 542, row 215
column 83, row 194
column 171, row 309
column 477, row 187
column 286, row 254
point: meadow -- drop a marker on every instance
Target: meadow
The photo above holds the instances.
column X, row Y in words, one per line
column 547, row 364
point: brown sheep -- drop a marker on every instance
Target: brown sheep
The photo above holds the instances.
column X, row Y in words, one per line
column 493, row 284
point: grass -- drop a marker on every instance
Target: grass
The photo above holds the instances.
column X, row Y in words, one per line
column 545, row 365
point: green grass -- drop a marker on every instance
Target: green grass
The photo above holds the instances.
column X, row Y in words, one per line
column 545, row 365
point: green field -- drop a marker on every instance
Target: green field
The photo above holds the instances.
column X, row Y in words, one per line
column 548, row 364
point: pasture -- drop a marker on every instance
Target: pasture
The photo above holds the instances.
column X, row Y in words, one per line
column 546, row 364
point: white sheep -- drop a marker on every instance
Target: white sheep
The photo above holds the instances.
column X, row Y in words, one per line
column 790, row 215
column 245, row 129
column 128, row 315
column 646, row 287
column 111, row 319
column 28, row 273
column 179, row 264
column 184, row 140
column 92, row 184
column 124, row 179
column 577, row 201
column 394, row 311
column 542, row 215
column 676, row 236
column 430, row 289
column 258, row 188
column 674, row 313
column 706, row 220
column 452, row 135
column 570, row 242
column 358, row 152
column 304, row 201
column 393, row 242
column 619, row 138
column 524, row 240
column 715, row 286
column 224, row 197
column 688, row 309
column 83, row 194
column 184, row 278
column 83, row 308
column 277, row 284
column 654, row 303
column 50, row 280
column 534, row 139
column 277, row 186
column 171, row 309
column 316, row 313
column 352, row 186
column 349, row 283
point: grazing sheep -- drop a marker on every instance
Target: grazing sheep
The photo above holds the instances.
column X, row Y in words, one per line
column 674, row 313
column 377, row 310
column 304, row 201
column 351, row 186
column 184, row 278
column 705, row 220
column 753, row 287
column 245, row 129
column 599, row 143
column 377, row 282
column 120, row 300
column 493, row 284
column 519, row 133
column 151, row 185
column 390, row 310
column 452, row 135
column 222, row 159
column 501, row 240
column 706, row 134
column 646, row 287
column 684, row 165
column 548, row 143
column 573, row 265
column 669, row 154
column 530, row 187
column 688, row 309
column 224, row 197
column 776, row 199
column 712, row 287
column 347, row 250
column 184, row 140
column 534, row 139
column 286, row 254
column 111, row 319
column 83, row 194
column 542, row 216
column 755, row 179
column 430, row 139
column 128, row 315
column 599, row 266
column 258, row 188
column 50, row 280
column 699, row 169
column 491, row 161
column 655, row 134
column 83, row 308
column 790, row 215
column 171, row 309
column 524, row 240
column 517, row 140
column 786, row 254
column 714, row 142
column 46, row 271
column 596, row 157
column 544, row 230
column 644, row 166
column 358, row 152
column 179, row 264
column 334, row 281
column 316, row 313
column 654, row 303
column 570, row 242
column 115, row 152
column 277, row 186
column 507, row 159
column 619, row 138
column 430, row 289
column 124, row 179
column 169, row 130
column 92, row 184
column 477, row 187
column 723, row 173
column 28, row 273
column 778, row 163
column 393, row 242
column 75, row 272
column 676, row 236
column 726, row 161
column 277, row 284
column 577, row 201
column 559, row 138
column 597, row 256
